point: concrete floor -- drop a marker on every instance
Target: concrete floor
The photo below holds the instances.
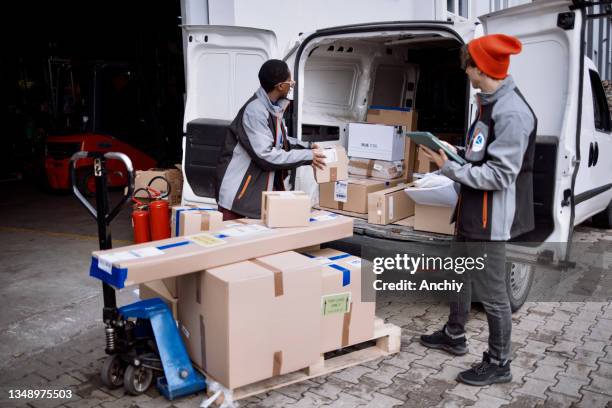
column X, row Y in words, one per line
column 45, row 287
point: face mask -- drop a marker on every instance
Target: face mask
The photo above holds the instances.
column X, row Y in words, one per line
column 290, row 94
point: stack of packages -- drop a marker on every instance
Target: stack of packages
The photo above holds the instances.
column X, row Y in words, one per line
column 381, row 162
column 250, row 305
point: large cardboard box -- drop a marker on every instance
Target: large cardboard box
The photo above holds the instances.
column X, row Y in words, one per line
column 392, row 116
column 389, row 205
column 380, row 169
column 169, row 183
column 239, row 240
column 285, row 208
column 252, row 320
column 158, row 289
column 336, row 165
column 372, row 141
column 432, row 218
column 345, row 318
column 188, row 220
column 355, row 193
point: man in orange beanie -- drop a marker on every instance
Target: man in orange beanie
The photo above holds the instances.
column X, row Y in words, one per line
column 495, row 202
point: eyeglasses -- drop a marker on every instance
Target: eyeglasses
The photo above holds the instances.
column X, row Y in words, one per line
column 291, row 83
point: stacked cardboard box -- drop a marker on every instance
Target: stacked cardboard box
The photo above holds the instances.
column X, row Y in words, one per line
column 169, row 182
column 336, row 165
column 351, row 195
column 285, row 208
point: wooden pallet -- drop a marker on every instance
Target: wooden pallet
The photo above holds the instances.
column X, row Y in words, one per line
column 386, row 335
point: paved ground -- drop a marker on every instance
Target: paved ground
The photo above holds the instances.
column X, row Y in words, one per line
column 54, row 339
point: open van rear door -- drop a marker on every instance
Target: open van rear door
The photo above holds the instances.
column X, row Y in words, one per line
column 548, row 72
column 222, row 63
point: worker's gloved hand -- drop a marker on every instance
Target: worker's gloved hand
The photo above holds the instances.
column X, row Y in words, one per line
column 318, row 159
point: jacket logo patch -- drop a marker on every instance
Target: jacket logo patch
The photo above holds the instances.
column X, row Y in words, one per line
column 479, row 141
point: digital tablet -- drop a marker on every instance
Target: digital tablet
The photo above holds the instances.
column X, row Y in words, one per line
column 428, row 140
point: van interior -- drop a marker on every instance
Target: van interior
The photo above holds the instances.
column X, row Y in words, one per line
column 343, row 77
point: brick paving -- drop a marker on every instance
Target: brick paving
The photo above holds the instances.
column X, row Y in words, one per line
column 562, row 358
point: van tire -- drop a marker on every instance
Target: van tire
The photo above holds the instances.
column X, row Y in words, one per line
column 519, row 278
column 604, row 218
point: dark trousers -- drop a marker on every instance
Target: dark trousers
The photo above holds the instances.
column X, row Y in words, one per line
column 488, row 287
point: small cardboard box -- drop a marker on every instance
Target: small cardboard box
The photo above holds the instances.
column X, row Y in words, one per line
column 372, row 141
column 389, row 205
column 392, row 116
column 345, row 318
column 431, row 218
column 173, row 188
column 380, row 169
column 158, row 289
column 239, row 240
column 336, row 165
column 188, row 220
column 253, row 320
column 285, row 208
column 354, row 192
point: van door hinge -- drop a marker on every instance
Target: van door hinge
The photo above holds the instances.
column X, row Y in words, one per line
column 567, row 196
column 566, row 20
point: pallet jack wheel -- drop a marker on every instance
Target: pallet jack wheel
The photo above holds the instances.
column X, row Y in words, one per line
column 112, row 372
column 136, row 380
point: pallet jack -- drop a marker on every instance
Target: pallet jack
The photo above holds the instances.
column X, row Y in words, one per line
column 142, row 339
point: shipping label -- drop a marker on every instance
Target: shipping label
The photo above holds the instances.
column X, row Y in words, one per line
column 337, row 303
column 341, row 191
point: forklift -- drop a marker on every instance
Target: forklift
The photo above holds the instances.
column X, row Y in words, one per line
column 142, row 338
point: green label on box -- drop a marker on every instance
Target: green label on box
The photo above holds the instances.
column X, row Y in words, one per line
column 335, row 303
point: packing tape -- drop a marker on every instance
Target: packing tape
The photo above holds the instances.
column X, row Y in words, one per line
column 277, row 363
column 177, row 216
column 333, row 174
column 203, row 342
column 346, row 273
column 346, row 324
column 278, row 276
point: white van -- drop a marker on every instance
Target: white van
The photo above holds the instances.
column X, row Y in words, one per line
column 340, row 71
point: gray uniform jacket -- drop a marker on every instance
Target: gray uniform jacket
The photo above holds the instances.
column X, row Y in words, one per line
column 256, row 156
column 496, row 195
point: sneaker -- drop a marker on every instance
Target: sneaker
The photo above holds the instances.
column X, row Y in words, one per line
column 486, row 372
column 441, row 340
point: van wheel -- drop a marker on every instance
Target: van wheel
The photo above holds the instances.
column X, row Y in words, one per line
column 604, row 218
column 519, row 278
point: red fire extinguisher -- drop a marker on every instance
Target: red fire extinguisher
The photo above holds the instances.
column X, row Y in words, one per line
column 159, row 219
column 151, row 222
column 140, row 219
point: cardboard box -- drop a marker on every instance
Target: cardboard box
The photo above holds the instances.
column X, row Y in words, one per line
column 253, row 320
column 285, row 208
column 355, row 193
column 188, row 220
column 157, row 289
column 380, row 169
column 389, row 205
column 371, row 141
column 345, row 318
column 424, row 164
column 393, row 116
column 173, row 188
column 336, row 165
column 433, row 219
column 239, row 240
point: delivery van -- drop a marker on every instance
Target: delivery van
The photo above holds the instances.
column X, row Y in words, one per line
column 341, row 71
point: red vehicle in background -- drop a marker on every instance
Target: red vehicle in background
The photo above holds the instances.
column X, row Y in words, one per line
column 118, row 120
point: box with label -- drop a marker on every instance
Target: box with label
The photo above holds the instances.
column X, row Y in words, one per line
column 351, row 195
column 158, row 289
column 371, row 141
column 336, row 165
column 432, row 218
column 379, row 169
column 237, row 241
column 285, row 208
column 387, row 115
column 169, row 182
column 188, row 220
column 389, row 205
column 252, row 320
column 345, row 318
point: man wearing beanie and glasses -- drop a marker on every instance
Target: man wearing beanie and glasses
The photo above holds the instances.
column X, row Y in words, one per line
column 258, row 153
column 495, row 202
